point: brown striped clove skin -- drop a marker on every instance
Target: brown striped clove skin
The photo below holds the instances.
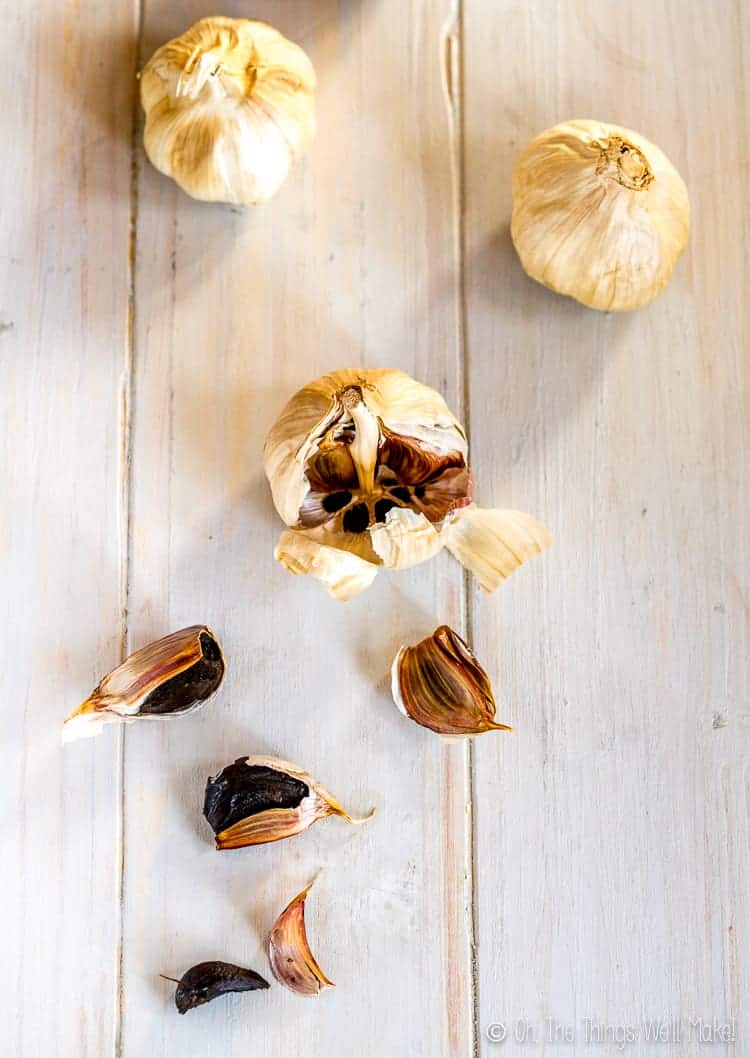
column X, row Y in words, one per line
column 439, row 684
column 170, row 676
column 292, row 962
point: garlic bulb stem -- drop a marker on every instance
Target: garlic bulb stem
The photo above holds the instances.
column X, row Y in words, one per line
column 364, row 447
column 202, row 67
column 625, row 163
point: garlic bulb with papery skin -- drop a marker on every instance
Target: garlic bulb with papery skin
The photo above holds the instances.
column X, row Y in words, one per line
column 229, row 108
column 369, row 468
column 599, row 214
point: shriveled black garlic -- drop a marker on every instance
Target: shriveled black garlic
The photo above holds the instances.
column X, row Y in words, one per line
column 262, row 799
column 207, row 980
column 173, row 675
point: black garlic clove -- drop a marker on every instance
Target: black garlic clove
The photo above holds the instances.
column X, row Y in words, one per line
column 170, row 676
column 208, row 980
column 261, row 799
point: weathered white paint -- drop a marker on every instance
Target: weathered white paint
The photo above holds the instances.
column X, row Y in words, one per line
column 610, row 831
column 66, row 85
column 353, row 263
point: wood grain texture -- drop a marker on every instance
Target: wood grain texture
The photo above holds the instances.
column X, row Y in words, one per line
column 64, row 188
column 352, row 264
column 612, row 831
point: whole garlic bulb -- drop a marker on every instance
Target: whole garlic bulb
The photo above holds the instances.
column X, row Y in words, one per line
column 599, row 214
column 368, row 468
column 229, row 108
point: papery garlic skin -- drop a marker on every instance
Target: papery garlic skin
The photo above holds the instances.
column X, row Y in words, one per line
column 292, row 962
column 493, row 543
column 343, row 574
column 369, row 468
column 599, row 214
column 229, row 109
column 171, row 676
column 439, row 684
column 258, row 800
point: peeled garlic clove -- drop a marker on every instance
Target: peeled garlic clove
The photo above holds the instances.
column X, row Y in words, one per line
column 208, row 980
column 599, row 214
column 439, row 684
column 494, row 543
column 261, row 799
column 229, row 109
column 173, row 675
column 292, row 962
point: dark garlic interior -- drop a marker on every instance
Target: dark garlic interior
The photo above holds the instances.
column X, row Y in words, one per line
column 242, row 790
column 361, row 470
column 193, row 685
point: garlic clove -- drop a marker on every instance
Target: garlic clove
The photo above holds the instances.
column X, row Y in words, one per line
column 494, row 543
column 173, row 675
column 209, row 980
column 343, row 574
column 599, row 214
column 405, row 539
column 229, row 109
column 439, row 684
column 259, row 799
column 292, row 962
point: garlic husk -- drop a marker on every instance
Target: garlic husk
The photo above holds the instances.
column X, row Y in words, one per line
column 439, row 684
column 494, row 543
column 259, row 799
column 343, row 574
column 229, row 109
column 292, row 962
column 405, row 539
column 171, row 676
column 599, row 214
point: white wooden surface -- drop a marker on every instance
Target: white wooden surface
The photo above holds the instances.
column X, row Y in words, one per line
column 594, row 864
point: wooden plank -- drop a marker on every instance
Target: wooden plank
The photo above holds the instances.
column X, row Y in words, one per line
column 612, row 853
column 352, row 264
column 65, row 76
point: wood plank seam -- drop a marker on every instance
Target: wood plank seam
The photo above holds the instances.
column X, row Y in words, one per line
column 452, row 65
column 126, row 491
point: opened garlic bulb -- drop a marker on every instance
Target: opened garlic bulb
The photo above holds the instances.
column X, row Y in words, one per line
column 229, row 108
column 368, row 468
column 599, row 214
